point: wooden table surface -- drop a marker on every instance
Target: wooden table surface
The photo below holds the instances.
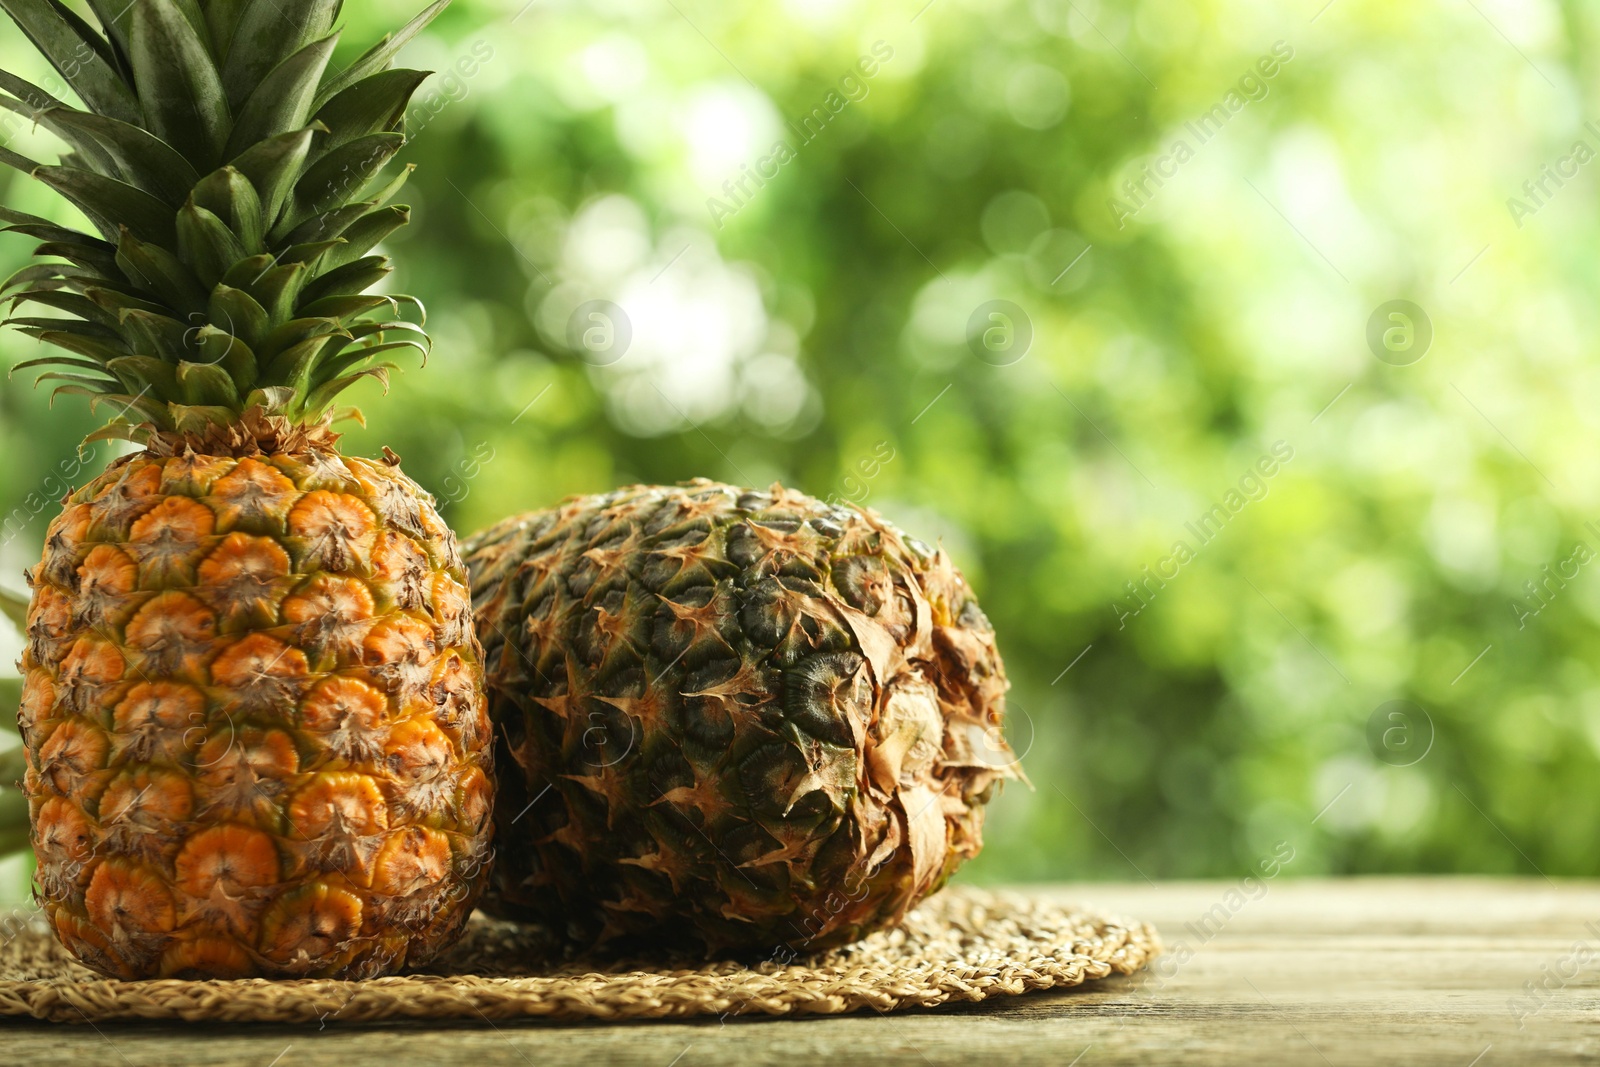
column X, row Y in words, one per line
column 1464, row 972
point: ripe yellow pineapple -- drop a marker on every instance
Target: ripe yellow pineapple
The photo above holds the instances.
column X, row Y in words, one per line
column 252, row 708
column 730, row 719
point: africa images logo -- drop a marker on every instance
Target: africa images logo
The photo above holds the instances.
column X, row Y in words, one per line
column 1251, row 86
column 853, row 88
column 1252, row 486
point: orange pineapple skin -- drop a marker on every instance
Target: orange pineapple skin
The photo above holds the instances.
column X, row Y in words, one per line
column 255, row 723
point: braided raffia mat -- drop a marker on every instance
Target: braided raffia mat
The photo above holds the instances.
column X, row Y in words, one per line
column 961, row 945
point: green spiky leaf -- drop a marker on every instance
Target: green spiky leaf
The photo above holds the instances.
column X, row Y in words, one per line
column 155, row 335
column 222, row 349
column 273, row 167
column 239, row 314
column 179, row 87
column 144, row 159
column 112, row 205
column 144, row 374
column 83, row 328
column 380, row 55
column 312, row 255
column 77, row 54
column 158, row 271
column 233, row 199
column 361, row 236
column 18, row 161
column 113, row 16
column 348, row 280
column 278, row 289
column 373, row 105
column 323, row 395
column 340, row 175
column 282, row 102
column 345, row 308
column 293, row 366
column 207, row 384
column 94, row 256
column 224, row 168
column 76, row 304
column 266, row 33
column 119, row 302
column 96, row 348
column 27, row 92
column 334, row 223
column 207, row 244
column 82, row 145
column 198, row 418
column 59, row 360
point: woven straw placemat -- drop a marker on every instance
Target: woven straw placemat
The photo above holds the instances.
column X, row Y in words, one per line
column 961, row 945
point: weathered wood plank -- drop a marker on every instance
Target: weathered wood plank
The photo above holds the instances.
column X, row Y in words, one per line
column 1404, row 971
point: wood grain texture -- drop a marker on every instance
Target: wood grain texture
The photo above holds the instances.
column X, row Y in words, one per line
column 1403, row 971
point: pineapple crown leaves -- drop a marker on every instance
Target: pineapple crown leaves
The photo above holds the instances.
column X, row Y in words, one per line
column 234, row 183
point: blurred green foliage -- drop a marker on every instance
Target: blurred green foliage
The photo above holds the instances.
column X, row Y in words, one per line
column 808, row 327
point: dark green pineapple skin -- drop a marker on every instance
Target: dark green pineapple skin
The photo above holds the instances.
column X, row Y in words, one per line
column 729, row 719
